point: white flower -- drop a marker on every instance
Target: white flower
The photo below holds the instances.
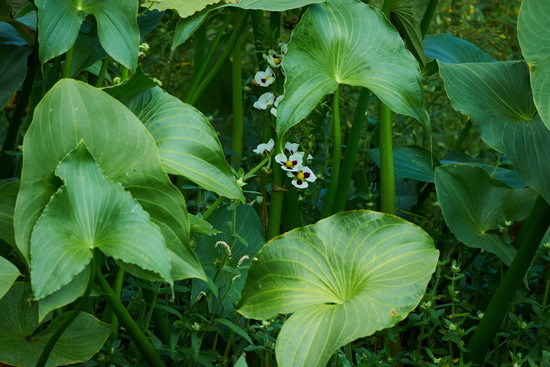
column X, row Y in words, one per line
column 265, row 101
column 284, row 48
column 273, row 109
column 273, row 58
column 291, row 163
column 291, row 148
column 264, row 148
column 301, row 176
column 265, row 78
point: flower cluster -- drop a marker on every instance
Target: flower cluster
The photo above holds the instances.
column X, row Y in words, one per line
column 268, row 101
column 292, row 161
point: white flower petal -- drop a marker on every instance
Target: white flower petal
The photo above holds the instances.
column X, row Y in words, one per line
column 300, row 184
column 273, row 111
column 281, row 158
column 291, row 148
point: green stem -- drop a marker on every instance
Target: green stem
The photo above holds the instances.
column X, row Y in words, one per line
column 428, row 15
column 387, row 174
column 68, row 62
column 213, row 207
column 101, row 76
column 529, row 239
column 336, row 156
column 74, row 314
column 124, row 73
column 142, row 343
column 238, row 111
column 214, row 71
column 205, row 62
column 351, row 151
column 276, row 204
column 291, row 206
column 200, row 47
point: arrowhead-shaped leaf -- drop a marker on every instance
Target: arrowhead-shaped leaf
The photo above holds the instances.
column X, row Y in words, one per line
column 348, row 42
column 73, row 111
column 59, row 22
column 8, row 275
column 187, row 143
column 89, row 211
column 343, row 278
column 534, row 39
column 475, row 208
column 21, row 345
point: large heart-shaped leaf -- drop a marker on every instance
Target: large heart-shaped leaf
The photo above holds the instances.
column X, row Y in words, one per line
column 497, row 97
column 21, row 345
column 348, row 42
column 8, row 196
column 186, row 8
column 90, row 211
column 476, row 208
column 534, row 39
column 59, row 22
column 343, row 278
column 73, row 111
column 187, row 143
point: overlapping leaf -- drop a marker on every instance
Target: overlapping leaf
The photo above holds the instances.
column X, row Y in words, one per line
column 476, row 208
column 405, row 18
column 343, row 278
column 8, row 196
column 8, row 275
column 534, row 39
column 348, row 42
column 454, row 50
column 21, row 345
column 187, row 143
column 123, row 148
column 89, row 211
column 13, row 68
column 498, row 98
column 59, row 22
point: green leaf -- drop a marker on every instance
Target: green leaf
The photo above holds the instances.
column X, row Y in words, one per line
column 270, row 5
column 139, row 82
column 454, row 50
column 415, row 163
column 73, row 111
column 13, row 68
column 475, row 207
column 20, row 345
column 184, row 8
column 89, row 211
column 534, row 39
column 8, row 275
column 200, row 226
column 236, row 328
column 186, row 27
column 348, row 42
column 187, row 143
column 497, row 97
column 59, row 22
column 343, row 278
column 8, row 197
column 405, row 18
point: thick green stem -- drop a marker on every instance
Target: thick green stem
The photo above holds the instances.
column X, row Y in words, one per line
column 204, row 61
column 142, row 343
column 214, row 71
column 101, row 75
column 336, row 156
column 351, row 151
column 68, row 63
column 293, row 215
column 238, row 111
column 387, row 174
column 529, row 239
column 74, row 314
column 428, row 15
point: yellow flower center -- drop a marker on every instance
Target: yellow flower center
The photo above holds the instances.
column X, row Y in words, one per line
column 289, row 164
column 276, row 60
column 300, row 176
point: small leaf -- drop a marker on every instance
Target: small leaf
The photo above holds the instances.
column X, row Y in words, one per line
column 235, row 328
column 348, row 42
column 8, row 275
column 187, row 143
column 13, row 68
column 475, row 208
column 186, row 27
column 90, row 211
column 343, row 278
